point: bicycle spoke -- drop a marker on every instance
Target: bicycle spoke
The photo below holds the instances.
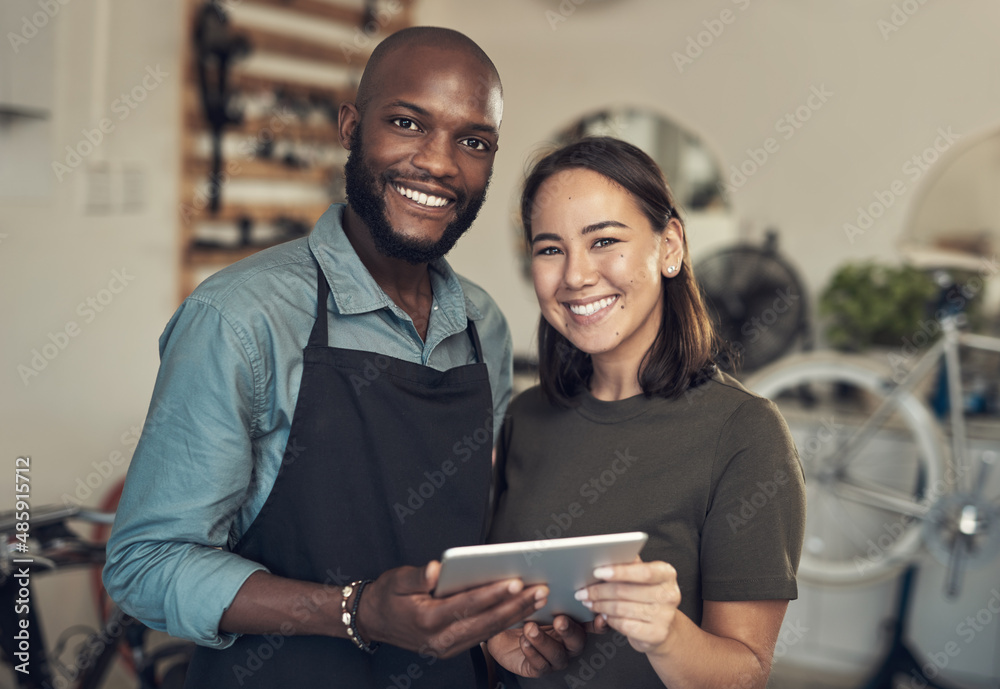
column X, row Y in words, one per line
column 840, row 517
column 879, row 496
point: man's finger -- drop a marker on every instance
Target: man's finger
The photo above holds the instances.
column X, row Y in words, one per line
column 548, row 646
column 484, row 612
column 572, row 634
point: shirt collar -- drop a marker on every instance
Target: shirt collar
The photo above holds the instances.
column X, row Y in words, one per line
column 355, row 291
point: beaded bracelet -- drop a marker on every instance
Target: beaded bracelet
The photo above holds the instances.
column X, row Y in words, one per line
column 350, row 618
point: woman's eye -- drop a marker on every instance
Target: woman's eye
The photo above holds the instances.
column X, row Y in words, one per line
column 404, row 123
column 547, row 251
column 607, row 241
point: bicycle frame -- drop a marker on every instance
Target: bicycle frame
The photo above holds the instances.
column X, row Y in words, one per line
column 95, row 655
column 946, row 348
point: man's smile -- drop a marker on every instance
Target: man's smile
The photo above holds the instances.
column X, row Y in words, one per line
column 420, row 197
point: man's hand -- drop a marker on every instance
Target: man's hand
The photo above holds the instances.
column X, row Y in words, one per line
column 398, row 609
column 535, row 650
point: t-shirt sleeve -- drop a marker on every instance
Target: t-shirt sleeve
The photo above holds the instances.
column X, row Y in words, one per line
column 752, row 536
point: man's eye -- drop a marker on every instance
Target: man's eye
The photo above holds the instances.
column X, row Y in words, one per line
column 476, row 144
column 404, row 123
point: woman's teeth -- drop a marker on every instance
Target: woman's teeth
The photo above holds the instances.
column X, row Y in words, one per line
column 593, row 307
column 420, row 197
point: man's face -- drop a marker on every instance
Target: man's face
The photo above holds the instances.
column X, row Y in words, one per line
column 422, row 154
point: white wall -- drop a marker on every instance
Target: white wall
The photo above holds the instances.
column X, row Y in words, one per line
column 890, row 96
column 80, row 409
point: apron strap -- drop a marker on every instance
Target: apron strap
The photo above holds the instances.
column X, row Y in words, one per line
column 320, row 335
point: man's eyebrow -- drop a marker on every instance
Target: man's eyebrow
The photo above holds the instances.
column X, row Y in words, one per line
column 408, row 105
column 474, row 126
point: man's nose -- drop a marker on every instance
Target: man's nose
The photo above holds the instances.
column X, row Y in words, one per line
column 436, row 156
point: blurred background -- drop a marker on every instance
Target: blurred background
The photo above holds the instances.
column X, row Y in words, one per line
column 145, row 144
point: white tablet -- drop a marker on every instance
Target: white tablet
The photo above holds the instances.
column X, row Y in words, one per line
column 564, row 564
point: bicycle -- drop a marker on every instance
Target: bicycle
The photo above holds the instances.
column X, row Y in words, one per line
column 880, row 479
column 158, row 664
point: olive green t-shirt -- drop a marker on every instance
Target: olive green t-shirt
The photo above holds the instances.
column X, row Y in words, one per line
column 712, row 476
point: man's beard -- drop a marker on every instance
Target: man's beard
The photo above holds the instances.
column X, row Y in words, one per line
column 366, row 198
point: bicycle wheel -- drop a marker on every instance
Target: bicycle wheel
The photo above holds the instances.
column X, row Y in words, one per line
column 868, row 482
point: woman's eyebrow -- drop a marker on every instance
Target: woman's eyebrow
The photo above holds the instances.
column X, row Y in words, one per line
column 601, row 225
column 593, row 227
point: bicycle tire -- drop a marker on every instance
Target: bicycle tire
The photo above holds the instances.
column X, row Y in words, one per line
column 863, row 505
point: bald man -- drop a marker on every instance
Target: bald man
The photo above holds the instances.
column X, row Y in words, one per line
column 322, row 423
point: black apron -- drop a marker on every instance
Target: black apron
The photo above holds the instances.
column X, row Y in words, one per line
column 387, row 464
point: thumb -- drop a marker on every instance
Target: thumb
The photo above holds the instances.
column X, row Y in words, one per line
column 431, row 573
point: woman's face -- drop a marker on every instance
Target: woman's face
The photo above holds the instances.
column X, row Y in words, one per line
column 598, row 265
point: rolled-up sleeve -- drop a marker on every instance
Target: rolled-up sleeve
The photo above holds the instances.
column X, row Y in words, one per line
column 167, row 561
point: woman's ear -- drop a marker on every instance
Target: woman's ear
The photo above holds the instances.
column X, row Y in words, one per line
column 673, row 244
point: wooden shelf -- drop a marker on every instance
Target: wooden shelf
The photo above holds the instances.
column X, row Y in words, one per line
column 319, row 133
column 199, row 257
column 301, row 49
column 316, row 9
column 308, row 213
column 288, row 46
column 261, row 169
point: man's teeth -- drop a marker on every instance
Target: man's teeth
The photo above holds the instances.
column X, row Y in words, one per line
column 593, row 307
column 420, row 197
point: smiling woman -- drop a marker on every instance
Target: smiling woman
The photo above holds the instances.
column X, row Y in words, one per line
column 626, row 360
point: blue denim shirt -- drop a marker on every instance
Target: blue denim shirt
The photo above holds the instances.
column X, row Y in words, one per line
column 222, row 407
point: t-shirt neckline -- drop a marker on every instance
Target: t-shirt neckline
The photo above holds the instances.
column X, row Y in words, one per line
column 615, row 411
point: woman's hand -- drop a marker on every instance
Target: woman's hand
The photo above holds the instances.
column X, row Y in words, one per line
column 536, row 649
column 639, row 600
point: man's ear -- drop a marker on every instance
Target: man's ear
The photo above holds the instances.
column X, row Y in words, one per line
column 673, row 255
column 347, row 122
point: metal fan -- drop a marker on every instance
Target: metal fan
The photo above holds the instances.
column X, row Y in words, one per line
column 757, row 301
